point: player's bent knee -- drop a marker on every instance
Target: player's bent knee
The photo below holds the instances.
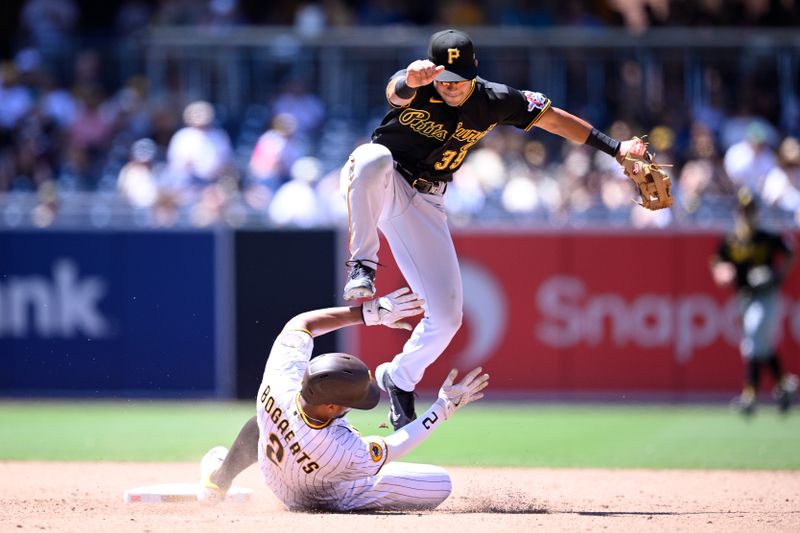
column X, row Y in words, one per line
column 450, row 322
column 442, row 327
column 448, row 485
column 371, row 159
column 444, row 486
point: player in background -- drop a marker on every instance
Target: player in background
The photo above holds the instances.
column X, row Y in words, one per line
column 309, row 455
column 755, row 262
column 440, row 109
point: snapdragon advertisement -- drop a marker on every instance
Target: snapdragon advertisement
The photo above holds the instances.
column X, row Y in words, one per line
column 595, row 312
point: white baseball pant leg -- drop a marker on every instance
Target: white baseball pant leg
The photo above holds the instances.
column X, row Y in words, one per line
column 367, row 183
column 415, row 226
column 400, row 487
column 760, row 324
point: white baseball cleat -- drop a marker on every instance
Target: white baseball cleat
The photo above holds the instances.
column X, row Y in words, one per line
column 210, row 463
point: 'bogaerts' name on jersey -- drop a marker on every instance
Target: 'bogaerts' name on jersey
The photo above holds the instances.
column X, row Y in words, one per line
column 283, row 437
column 430, row 139
column 305, row 461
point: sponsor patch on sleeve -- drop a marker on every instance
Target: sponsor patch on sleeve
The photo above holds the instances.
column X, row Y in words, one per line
column 535, row 100
column 376, row 451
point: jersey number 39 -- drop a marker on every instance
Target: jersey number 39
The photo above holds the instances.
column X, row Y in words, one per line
column 449, row 158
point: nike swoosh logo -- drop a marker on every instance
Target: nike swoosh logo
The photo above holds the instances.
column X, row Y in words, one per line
column 394, row 416
column 435, row 101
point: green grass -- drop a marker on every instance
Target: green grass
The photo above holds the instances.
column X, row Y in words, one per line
column 536, row 435
column 617, row 437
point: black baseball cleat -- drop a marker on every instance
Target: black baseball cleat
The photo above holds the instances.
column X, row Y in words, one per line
column 401, row 404
column 744, row 404
column 360, row 281
column 784, row 401
column 784, row 392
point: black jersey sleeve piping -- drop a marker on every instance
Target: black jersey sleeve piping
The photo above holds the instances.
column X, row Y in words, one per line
column 535, row 120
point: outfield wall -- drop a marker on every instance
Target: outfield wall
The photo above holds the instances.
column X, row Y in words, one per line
column 165, row 314
column 114, row 313
column 592, row 311
column 193, row 313
column 278, row 274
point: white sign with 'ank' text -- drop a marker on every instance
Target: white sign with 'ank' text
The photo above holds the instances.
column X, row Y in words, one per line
column 64, row 305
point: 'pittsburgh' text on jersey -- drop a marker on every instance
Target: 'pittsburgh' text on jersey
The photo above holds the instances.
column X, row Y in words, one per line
column 430, row 139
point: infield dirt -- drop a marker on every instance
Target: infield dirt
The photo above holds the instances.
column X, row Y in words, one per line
column 88, row 497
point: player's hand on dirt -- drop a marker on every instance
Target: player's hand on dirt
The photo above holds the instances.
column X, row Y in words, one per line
column 422, row 72
column 392, row 309
column 456, row 396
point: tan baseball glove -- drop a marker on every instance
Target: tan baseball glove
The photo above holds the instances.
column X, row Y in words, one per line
column 651, row 179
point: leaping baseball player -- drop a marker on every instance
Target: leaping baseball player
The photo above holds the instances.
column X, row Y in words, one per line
column 309, row 455
column 440, row 108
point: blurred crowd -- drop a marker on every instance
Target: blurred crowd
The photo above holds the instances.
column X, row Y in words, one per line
column 44, row 18
column 68, row 129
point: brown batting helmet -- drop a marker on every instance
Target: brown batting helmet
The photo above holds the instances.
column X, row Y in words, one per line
column 340, row 379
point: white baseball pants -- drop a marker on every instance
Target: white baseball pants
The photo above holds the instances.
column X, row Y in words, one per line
column 400, row 487
column 415, row 226
column 760, row 324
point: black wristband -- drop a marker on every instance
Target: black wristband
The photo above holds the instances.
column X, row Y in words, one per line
column 600, row 141
column 402, row 90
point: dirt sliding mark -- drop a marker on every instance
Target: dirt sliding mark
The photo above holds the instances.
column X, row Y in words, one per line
column 88, row 497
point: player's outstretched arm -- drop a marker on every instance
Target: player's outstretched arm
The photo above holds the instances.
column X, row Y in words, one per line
column 391, row 310
column 577, row 130
column 652, row 182
column 565, row 124
column 451, row 398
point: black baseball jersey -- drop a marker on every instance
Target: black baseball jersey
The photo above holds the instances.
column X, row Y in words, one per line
column 430, row 139
column 762, row 249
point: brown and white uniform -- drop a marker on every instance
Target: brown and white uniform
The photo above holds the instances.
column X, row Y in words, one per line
column 329, row 466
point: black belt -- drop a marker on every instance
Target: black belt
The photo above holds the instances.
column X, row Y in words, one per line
column 423, row 185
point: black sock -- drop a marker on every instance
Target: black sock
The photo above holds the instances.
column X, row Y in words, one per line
column 243, row 453
column 752, row 374
column 775, row 366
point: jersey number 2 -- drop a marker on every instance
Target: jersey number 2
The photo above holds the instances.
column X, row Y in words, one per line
column 274, row 449
column 428, row 422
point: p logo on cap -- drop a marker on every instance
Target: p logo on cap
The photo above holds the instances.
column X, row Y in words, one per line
column 452, row 53
column 454, row 50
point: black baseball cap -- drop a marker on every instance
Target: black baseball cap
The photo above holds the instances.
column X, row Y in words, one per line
column 340, row 379
column 454, row 50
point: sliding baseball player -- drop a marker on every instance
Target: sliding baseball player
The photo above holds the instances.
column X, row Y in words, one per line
column 309, row 455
